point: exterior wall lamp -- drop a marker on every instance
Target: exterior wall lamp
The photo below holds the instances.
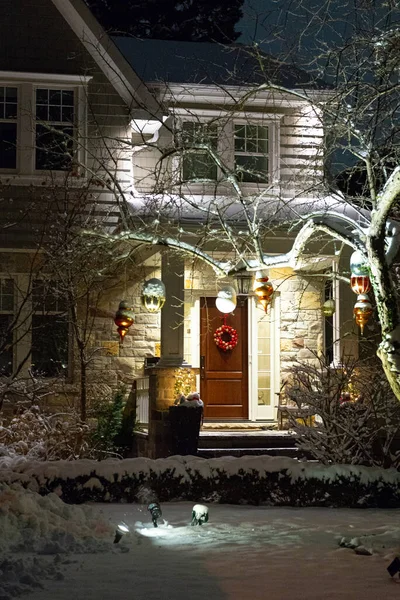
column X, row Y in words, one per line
column 244, row 282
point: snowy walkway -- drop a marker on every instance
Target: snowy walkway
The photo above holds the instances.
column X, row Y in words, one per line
column 242, row 553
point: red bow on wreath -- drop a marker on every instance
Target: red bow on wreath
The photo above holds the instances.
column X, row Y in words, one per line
column 226, row 330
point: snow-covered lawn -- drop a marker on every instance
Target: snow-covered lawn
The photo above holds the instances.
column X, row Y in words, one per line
column 242, row 553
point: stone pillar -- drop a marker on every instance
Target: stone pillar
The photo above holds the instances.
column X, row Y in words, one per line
column 163, row 376
column 172, row 313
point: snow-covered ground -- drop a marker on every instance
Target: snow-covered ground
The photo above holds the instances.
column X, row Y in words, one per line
column 242, row 553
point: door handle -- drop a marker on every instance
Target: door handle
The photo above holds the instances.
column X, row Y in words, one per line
column 202, row 367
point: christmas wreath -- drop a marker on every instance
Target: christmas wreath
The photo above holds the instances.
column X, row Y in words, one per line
column 229, row 344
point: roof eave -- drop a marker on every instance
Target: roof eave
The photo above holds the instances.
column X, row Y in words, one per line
column 105, row 53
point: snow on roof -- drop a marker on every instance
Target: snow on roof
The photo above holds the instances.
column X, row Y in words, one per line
column 208, row 63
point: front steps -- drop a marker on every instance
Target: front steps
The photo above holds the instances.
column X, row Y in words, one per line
column 246, row 442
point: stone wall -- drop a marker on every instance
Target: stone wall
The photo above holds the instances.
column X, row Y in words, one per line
column 301, row 318
column 116, row 362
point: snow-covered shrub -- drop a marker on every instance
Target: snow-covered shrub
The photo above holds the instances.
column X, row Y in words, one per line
column 44, row 436
column 356, row 418
column 259, row 480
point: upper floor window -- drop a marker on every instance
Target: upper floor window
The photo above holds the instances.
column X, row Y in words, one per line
column 247, row 150
column 197, row 163
column 8, row 127
column 54, row 129
column 251, row 153
column 41, row 118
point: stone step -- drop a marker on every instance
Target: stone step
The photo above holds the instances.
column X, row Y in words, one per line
column 238, row 440
column 220, row 452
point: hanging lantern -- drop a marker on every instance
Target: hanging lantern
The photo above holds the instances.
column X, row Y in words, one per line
column 123, row 319
column 153, row 295
column 328, row 307
column 263, row 291
column 362, row 311
column 244, row 279
column 226, row 300
column 358, row 264
column 360, row 284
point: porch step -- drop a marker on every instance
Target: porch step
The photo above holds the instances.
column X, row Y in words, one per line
column 240, row 440
column 247, row 443
column 219, row 452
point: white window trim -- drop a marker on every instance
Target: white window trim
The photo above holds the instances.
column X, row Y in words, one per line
column 27, row 83
column 225, row 122
column 264, row 413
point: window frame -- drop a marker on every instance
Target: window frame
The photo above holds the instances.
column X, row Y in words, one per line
column 23, row 313
column 251, row 153
column 225, row 123
column 27, row 84
column 54, row 124
column 50, row 289
column 9, row 313
column 198, row 152
column 15, row 121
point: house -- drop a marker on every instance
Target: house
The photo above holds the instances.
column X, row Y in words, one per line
column 138, row 139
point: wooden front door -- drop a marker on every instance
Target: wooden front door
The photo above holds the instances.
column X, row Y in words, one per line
column 223, row 375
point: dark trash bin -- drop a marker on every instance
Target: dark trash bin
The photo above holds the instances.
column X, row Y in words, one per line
column 185, row 424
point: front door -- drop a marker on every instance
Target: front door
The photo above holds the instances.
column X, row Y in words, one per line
column 223, row 375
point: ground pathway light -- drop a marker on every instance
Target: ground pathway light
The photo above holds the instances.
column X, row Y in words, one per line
column 155, row 511
column 122, row 529
column 394, row 567
column 199, row 514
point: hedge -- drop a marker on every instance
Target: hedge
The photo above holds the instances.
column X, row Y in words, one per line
column 260, row 480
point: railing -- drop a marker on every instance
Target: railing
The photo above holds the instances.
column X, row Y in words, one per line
column 142, row 400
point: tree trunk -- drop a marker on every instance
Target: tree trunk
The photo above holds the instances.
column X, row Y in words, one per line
column 387, row 305
column 83, row 386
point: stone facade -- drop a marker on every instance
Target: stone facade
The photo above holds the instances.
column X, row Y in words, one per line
column 301, row 318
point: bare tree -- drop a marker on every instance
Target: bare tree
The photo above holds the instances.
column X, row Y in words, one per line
column 351, row 92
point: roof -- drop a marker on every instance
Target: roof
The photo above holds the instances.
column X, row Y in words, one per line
column 120, row 74
column 208, row 63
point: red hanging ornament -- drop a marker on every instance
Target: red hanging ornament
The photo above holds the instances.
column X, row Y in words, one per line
column 123, row 319
column 360, row 284
column 222, row 333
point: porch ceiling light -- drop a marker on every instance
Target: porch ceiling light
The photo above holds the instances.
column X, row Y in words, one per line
column 226, row 299
column 153, row 295
column 244, row 281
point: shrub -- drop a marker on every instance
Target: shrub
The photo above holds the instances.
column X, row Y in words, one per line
column 357, row 417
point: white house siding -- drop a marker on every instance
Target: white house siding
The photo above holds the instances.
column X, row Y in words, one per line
column 301, row 147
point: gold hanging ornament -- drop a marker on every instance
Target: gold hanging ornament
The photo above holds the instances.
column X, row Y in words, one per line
column 362, row 311
column 263, row 291
column 123, row 319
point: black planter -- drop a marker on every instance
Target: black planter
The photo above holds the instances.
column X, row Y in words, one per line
column 185, row 424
